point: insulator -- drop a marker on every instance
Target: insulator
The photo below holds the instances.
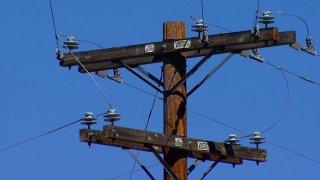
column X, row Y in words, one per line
column 111, row 116
column 266, row 18
column 199, row 26
column 233, row 139
column 257, row 138
column 71, row 43
column 88, row 119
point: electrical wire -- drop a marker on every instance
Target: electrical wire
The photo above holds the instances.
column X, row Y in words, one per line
column 39, row 136
column 306, row 79
column 218, row 122
column 286, row 104
column 294, row 152
column 298, row 17
column 257, row 14
column 44, row 134
column 93, row 79
column 202, row 10
column 141, row 90
column 90, row 42
column 54, row 23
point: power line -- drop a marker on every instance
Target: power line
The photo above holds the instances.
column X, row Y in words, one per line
column 44, row 134
column 304, row 78
column 285, row 107
column 39, row 136
column 54, row 23
column 294, row 152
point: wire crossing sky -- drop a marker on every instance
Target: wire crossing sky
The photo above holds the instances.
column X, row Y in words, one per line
column 244, row 96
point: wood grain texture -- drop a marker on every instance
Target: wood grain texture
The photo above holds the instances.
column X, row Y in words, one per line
column 175, row 105
column 133, row 55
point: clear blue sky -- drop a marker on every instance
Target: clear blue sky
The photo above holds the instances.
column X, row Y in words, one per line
column 37, row 95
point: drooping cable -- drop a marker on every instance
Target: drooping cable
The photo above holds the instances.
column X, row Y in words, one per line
column 54, row 23
column 285, row 107
column 298, row 17
column 93, row 79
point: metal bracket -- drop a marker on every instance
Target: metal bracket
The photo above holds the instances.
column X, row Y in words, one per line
column 214, row 70
column 164, row 164
column 135, row 157
column 193, row 70
column 193, row 166
column 209, row 169
column 140, row 77
column 149, row 75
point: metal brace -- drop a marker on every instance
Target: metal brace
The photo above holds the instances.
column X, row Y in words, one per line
column 214, row 70
column 193, row 165
column 135, row 157
column 209, row 169
column 193, row 70
column 164, row 164
column 140, row 77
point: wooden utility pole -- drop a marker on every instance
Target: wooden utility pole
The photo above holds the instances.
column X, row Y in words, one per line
column 175, row 104
column 173, row 51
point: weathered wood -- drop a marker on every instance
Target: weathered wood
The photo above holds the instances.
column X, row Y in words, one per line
column 99, row 137
column 194, row 148
column 159, row 49
column 285, row 38
column 175, row 105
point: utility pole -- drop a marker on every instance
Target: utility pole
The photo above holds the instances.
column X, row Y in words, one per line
column 175, row 104
column 173, row 52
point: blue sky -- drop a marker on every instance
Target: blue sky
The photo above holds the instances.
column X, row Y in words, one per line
column 37, row 95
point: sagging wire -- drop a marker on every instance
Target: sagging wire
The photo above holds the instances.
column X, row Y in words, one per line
column 41, row 135
column 285, row 107
column 148, row 121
